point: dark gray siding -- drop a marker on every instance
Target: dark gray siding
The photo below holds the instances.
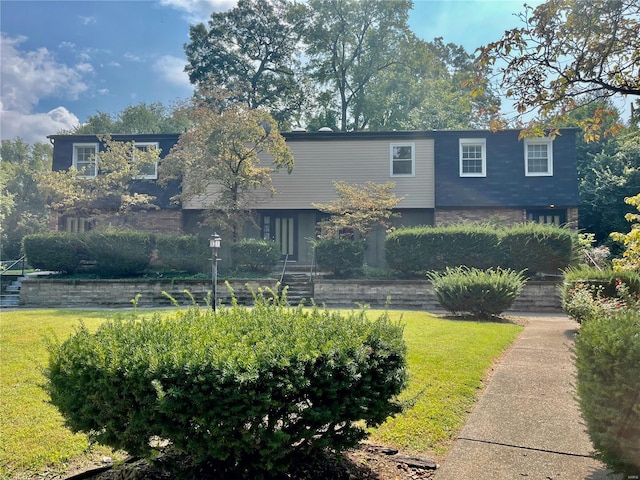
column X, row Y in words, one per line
column 506, row 184
column 63, row 158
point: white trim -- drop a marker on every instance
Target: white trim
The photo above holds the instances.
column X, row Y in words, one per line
column 153, row 176
column 539, row 141
column 482, row 142
column 412, row 145
column 74, row 161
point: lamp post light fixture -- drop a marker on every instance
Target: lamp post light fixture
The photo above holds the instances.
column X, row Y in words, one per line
column 214, row 243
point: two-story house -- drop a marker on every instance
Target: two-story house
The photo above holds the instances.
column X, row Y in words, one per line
column 444, row 177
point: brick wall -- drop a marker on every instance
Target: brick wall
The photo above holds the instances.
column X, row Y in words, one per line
column 152, row 221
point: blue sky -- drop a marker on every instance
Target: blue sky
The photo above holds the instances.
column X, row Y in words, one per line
column 65, row 60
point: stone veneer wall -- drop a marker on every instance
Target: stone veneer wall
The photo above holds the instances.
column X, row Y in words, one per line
column 40, row 293
column 403, row 294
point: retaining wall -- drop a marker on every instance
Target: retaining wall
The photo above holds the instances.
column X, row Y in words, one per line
column 403, row 294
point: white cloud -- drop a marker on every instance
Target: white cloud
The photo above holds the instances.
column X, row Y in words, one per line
column 197, row 11
column 171, row 69
column 87, row 20
column 34, row 127
column 133, row 58
column 27, row 77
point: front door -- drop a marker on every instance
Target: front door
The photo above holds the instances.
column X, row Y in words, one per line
column 281, row 228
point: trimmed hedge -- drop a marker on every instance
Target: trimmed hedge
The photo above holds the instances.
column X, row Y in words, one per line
column 255, row 255
column 421, row 249
column 605, row 280
column 183, row 253
column 608, row 365
column 532, row 247
column 343, row 258
column 247, row 390
column 54, row 251
column 538, row 248
column 120, row 254
column 483, row 293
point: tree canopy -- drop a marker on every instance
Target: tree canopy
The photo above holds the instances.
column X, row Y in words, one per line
column 218, row 162
column 566, row 51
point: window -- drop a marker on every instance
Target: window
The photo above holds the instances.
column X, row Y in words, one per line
column 85, row 159
column 402, row 159
column 548, row 216
column 149, row 171
column 538, row 157
column 473, row 157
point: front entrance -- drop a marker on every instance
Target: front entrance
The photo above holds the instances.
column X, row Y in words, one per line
column 282, row 229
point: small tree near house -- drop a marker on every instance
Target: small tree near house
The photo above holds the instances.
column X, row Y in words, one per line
column 359, row 209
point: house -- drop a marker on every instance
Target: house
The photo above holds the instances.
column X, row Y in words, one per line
column 444, row 177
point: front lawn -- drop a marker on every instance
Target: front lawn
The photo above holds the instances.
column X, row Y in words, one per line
column 448, row 360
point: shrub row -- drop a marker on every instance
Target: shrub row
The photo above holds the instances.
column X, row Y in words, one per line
column 532, row 247
column 608, row 385
column 125, row 253
column 246, row 389
column 344, row 258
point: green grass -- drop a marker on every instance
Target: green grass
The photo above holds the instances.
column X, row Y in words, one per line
column 447, row 361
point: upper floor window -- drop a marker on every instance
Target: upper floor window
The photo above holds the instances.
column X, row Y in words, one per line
column 473, row 157
column 402, row 159
column 150, row 170
column 538, row 157
column 85, row 157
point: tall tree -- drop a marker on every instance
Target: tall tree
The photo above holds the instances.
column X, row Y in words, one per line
column 351, row 42
column 566, row 50
column 21, row 165
column 218, row 162
column 135, row 119
column 250, row 51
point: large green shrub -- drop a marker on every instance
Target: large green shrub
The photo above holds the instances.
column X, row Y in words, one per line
column 608, row 384
column 255, row 255
column 421, row 249
column 483, row 293
column 343, row 258
column 120, row 254
column 538, row 248
column 247, row 389
column 54, row 251
column 183, row 253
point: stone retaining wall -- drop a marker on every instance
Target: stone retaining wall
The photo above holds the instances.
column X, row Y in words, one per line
column 403, row 294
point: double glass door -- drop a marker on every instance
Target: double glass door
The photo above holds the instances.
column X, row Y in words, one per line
column 282, row 230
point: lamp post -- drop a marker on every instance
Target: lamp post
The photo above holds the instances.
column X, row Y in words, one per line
column 214, row 243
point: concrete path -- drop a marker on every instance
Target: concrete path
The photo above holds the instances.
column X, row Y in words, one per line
column 527, row 424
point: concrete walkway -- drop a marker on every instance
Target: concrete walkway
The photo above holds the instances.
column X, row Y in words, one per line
column 527, row 424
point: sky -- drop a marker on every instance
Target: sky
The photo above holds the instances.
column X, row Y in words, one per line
column 62, row 61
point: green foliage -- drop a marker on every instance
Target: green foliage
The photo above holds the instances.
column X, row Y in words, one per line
column 538, row 248
column 344, row 258
column 183, row 253
column 119, row 254
column 255, row 254
column 588, row 292
column 483, row 293
column 54, row 251
column 251, row 390
column 608, row 364
column 421, row 249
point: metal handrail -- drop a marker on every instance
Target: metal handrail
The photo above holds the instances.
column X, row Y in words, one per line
column 284, row 267
column 9, row 266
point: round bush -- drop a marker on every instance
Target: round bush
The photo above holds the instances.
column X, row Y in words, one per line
column 255, row 255
column 483, row 293
column 608, row 362
column 252, row 390
column 343, row 258
column 183, row 253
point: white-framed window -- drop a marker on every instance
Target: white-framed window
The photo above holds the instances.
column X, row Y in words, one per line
column 538, row 157
column 85, row 159
column 148, row 171
column 473, row 157
column 402, row 157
